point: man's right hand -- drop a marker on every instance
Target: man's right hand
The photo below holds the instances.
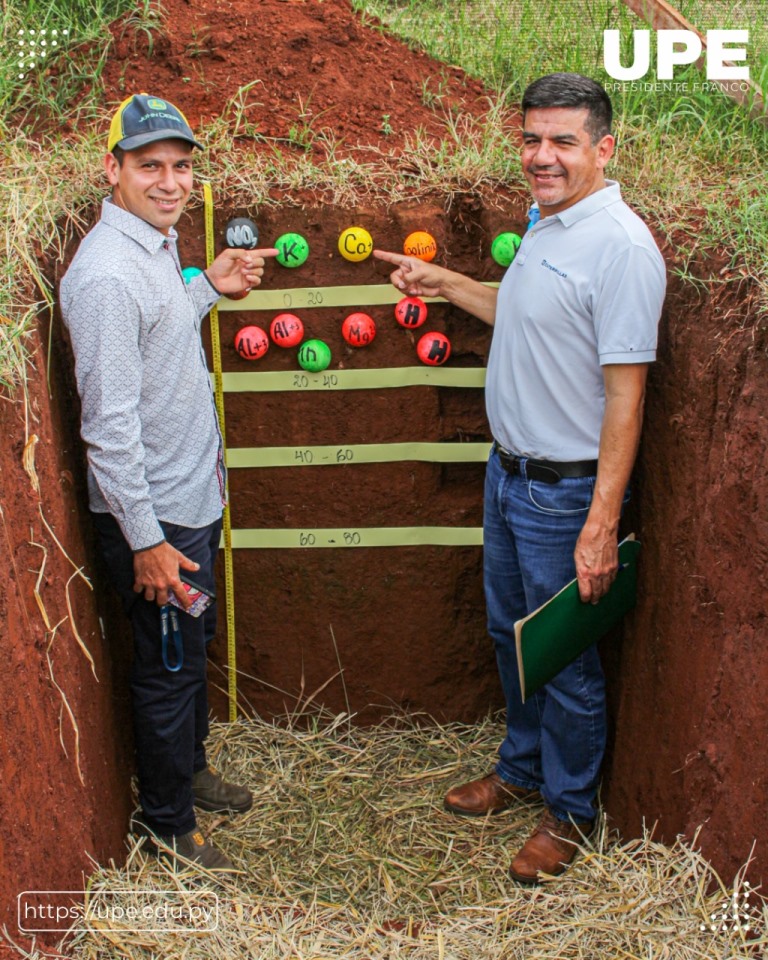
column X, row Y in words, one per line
column 414, row 277
column 156, row 572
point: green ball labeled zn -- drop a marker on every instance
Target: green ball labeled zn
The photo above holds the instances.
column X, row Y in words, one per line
column 314, row 356
column 293, row 248
column 504, row 248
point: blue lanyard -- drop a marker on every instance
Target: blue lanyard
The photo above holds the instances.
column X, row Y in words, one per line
column 167, row 611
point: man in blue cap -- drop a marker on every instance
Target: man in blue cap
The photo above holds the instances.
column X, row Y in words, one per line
column 156, row 478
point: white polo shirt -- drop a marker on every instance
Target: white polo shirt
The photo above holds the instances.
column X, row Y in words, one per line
column 585, row 289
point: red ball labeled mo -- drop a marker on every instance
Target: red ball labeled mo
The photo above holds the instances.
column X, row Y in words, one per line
column 358, row 329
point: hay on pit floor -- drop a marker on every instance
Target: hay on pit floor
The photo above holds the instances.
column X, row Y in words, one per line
column 347, row 852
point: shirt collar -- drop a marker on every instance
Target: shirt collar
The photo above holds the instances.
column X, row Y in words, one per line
column 134, row 227
column 598, row 200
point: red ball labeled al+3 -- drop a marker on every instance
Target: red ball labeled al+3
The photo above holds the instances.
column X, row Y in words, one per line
column 433, row 348
column 251, row 343
column 358, row 329
column 287, row 330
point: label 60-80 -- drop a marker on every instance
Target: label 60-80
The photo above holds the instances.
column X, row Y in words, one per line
column 676, row 48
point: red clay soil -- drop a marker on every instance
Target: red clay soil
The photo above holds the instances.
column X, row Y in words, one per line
column 685, row 675
column 315, row 70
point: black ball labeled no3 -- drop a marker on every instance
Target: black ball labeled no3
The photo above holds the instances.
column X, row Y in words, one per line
column 241, row 234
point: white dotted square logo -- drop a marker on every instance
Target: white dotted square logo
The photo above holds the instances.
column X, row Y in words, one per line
column 33, row 46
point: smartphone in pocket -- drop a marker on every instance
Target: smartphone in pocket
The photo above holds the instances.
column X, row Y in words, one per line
column 200, row 597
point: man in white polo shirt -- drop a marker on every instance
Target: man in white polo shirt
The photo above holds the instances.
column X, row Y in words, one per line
column 575, row 321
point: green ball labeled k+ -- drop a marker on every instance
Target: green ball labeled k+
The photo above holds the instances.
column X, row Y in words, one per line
column 293, row 248
column 314, row 356
column 504, row 248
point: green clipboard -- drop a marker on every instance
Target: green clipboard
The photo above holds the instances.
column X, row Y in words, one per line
column 552, row 636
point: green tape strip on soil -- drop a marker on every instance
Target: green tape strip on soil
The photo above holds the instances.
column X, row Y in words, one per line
column 321, row 456
column 357, row 537
column 304, row 298
column 298, row 381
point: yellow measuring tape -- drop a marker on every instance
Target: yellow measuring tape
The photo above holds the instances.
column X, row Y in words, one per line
column 229, row 579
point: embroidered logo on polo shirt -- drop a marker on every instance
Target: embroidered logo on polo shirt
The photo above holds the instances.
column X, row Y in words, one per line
column 548, row 265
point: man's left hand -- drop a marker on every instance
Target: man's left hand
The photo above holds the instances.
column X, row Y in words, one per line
column 236, row 271
column 597, row 563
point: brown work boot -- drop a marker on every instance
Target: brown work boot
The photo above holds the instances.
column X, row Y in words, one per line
column 187, row 850
column 211, row 792
column 549, row 849
column 489, row 794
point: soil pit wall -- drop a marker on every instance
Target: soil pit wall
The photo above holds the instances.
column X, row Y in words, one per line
column 684, row 678
column 405, row 625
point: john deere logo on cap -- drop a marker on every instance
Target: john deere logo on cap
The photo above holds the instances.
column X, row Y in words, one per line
column 156, row 104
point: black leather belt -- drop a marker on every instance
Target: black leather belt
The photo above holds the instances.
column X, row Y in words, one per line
column 546, row 471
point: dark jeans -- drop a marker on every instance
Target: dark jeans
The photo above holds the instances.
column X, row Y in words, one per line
column 170, row 710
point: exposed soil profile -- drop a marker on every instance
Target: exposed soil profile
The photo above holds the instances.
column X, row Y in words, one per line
column 370, row 629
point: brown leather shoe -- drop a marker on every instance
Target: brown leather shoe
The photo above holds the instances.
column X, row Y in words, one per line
column 488, row 795
column 549, row 849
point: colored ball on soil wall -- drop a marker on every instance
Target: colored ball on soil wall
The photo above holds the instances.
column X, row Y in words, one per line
column 358, row 329
column 314, row 356
column 189, row 272
column 411, row 312
column 241, row 234
column 504, row 248
column 434, row 348
column 420, row 244
column 355, row 244
column 293, row 248
column 286, row 330
column 251, row 343
column 237, row 296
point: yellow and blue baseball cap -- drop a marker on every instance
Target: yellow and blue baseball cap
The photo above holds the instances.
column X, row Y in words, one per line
column 143, row 119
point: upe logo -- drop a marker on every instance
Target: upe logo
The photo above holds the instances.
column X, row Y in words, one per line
column 676, row 48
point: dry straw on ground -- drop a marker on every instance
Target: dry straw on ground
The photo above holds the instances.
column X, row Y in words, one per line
column 347, row 852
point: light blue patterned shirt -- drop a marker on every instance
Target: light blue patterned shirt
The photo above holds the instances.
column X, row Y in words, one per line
column 148, row 416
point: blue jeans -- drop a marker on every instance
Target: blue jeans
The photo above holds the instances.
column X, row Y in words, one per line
column 556, row 739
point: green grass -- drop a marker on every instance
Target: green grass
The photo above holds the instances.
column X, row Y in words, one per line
column 76, row 41
column 689, row 159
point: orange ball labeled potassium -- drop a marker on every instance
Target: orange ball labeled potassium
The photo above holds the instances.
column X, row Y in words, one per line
column 420, row 244
column 251, row 343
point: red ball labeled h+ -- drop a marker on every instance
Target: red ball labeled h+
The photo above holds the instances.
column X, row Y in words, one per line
column 433, row 348
column 411, row 312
